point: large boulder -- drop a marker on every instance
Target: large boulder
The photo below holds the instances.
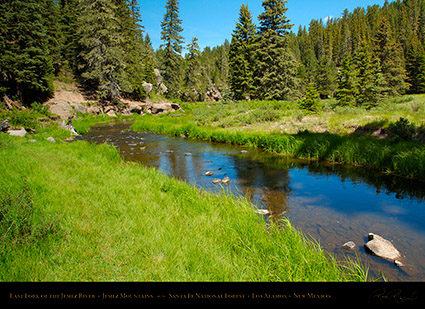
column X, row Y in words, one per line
column 165, row 107
column 159, row 82
column 79, row 108
column 383, row 248
column 148, row 88
column 61, row 108
column 17, row 132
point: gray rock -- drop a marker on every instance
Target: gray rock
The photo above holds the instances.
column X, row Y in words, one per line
column 349, row 246
column 51, row 139
column 225, row 180
column 79, row 108
column 383, row 249
column 111, row 113
column 61, row 108
column 208, row 173
column 264, row 212
column 216, row 181
column 17, row 132
column 93, row 110
column 148, row 88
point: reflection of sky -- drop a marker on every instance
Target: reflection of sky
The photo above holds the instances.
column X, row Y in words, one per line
column 355, row 198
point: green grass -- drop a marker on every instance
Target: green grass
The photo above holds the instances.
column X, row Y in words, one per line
column 402, row 153
column 106, row 220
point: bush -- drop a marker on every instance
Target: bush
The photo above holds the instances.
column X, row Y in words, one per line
column 402, row 130
column 311, row 102
column 24, row 118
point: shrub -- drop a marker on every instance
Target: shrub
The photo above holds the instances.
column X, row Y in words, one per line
column 402, row 129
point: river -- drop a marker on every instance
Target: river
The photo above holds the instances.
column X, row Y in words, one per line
column 331, row 203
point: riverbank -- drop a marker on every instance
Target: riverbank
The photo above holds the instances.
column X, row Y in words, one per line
column 399, row 151
column 90, row 216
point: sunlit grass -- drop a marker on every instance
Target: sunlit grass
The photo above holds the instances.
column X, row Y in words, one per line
column 118, row 221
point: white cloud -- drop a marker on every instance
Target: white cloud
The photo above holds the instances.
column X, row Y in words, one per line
column 327, row 18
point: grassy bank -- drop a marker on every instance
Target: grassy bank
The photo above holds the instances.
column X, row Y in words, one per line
column 77, row 212
column 399, row 154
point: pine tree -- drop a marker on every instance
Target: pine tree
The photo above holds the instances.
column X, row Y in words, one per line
column 193, row 77
column 25, row 62
column 68, row 18
column 241, row 55
column 325, row 77
column 420, row 76
column 101, row 51
column 347, row 83
column 276, row 68
column 172, row 60
column 311, row 101
column 135, row 49
column 390, row 54
column 369, row 76
column 149, row 61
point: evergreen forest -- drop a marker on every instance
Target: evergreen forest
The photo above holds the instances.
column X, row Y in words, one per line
column 359, row 58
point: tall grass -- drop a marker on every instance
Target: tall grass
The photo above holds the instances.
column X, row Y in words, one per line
column 121, row 221
column 406, row 158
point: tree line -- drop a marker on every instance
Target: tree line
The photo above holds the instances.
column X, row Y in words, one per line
column 359, row 58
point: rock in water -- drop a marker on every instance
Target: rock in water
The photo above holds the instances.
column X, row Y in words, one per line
column 209, row 173
column 383, row 249
column 225, row 180
column 216, row 181
column 263, row 212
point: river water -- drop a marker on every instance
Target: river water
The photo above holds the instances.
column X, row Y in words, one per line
column 331, row 203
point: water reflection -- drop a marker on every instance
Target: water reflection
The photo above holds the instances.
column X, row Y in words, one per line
column 332, row 203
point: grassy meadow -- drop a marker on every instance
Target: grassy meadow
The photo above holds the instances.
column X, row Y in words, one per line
column 389, row 138
column 78, row 212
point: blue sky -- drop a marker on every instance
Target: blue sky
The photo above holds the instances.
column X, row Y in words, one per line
column 213, row 21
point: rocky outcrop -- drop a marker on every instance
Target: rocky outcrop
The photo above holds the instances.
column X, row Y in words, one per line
column 159, row 82
column 213, row 95
column 148, row 88
column 383, row 248
column 60, row 108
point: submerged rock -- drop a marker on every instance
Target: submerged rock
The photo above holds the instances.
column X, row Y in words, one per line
column 264, row 212
column 383, row 248
column 225, row 180
column 349, row 245
column 216, row 181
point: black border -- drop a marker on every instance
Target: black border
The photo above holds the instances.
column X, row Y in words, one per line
column 106, row 293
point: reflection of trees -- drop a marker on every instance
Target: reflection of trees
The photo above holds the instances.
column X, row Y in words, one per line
column 402, row 187
column 269, row 185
